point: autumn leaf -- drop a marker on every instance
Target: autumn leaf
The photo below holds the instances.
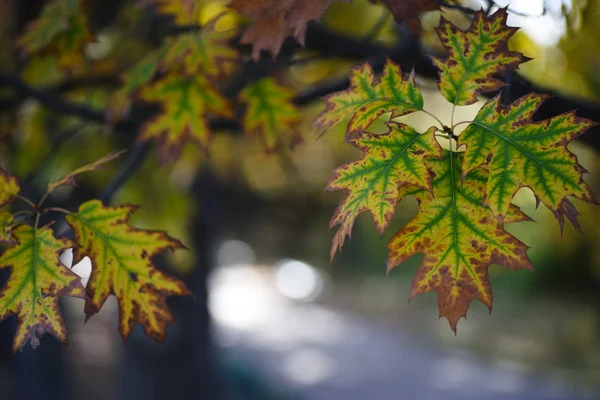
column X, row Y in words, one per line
column 390, row 161
column 409, row 10
column 122, row 265
column 60, row 30
column 209, row 52
column 520, row 152
column 274, row 20
column 459, row 237
column 69, row 179
column 9, row 188
column 474, row 56
column 36, row 282
column 186, row 103
column 368, row 98
column 270, row 113
column 6, row 222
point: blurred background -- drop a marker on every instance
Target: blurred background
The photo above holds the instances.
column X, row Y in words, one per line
column 272, row 318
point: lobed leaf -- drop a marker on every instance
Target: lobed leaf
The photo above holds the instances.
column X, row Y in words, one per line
column 36, row 282
column 208, row 52
column 474, row 56
column 186, row 103
column 62, row 30
column 270, row 113
column 390, row 161
column 459, row 237
column 368, row 98
column 274, row 20
column 522, row 153
column 122, row 265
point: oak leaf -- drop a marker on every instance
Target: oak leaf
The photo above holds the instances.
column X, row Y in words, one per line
column 459, row 237
column 122, row 265
column 274, row 20
column 390, row 161
column 60, row 30
column 186, row 103
column 474, row 56
column 368, row 98
column 270, row 113
column 520, row 152
column 36, row 282
column 209, row 52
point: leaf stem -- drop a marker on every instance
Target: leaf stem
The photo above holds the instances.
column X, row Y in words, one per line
column 27, row 201
column 58, row 209
column 27, row 213
column 434, row 117
column 461, row 123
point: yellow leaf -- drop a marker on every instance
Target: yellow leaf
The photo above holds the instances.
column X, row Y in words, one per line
column 122, row 265
column 36, row 282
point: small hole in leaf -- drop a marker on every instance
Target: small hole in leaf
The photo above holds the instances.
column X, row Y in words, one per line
column 133, row 276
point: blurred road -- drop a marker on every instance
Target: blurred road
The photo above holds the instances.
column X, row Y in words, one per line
column 322, row 354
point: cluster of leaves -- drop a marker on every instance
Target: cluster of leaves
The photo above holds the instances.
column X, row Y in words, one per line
column 121, row 258
column 464, row 183
column 464, row 195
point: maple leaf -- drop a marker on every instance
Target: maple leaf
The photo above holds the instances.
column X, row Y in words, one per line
column 368, row 98
column 6, row 221
column 9, row 188
column 409, row 10
column 474, row 56
column 69, row 179
column 36, row 282
column 270, row 112
column 459, row 237
column 186, row 103
column 61, row 30
column 390, row 161
column 208, row 51
column 521, row 152
column 274, row 20
column 122, row 265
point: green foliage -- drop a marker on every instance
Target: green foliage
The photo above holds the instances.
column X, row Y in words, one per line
column 197, row 79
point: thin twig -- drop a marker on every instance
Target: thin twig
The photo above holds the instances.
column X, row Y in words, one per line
column 28, row 202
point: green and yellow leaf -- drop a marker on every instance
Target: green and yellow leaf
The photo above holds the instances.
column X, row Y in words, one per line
column 9, row 188
column 122, row 265
column 459, row 237
column 186, row 104
column 60, row 30
column 390, row 161
column 520, row 152
column 474, row 56
column 209, row 52
column 270, row 113
column 368, row 98
column 37, row 280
